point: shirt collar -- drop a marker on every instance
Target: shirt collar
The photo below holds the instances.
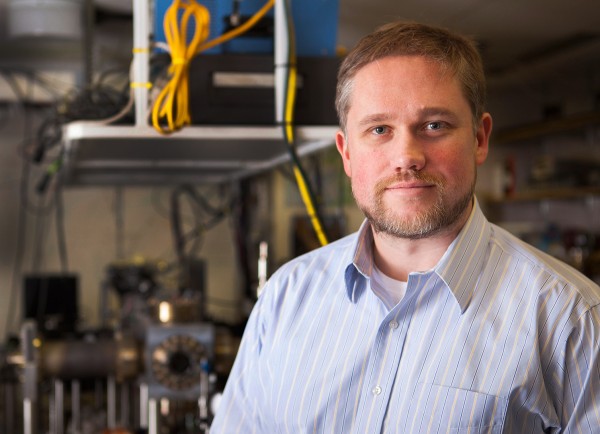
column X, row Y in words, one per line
column 361, row 266
column 461, row 262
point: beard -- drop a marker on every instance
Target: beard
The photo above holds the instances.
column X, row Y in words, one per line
column 430, row 220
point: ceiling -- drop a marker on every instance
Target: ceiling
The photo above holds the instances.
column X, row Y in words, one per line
column 514, row 35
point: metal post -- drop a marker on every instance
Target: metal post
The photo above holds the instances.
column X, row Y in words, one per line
column 263, row 252
column 88, row 41
column 111, row 402
column 28, row 335
column 141, row 57
column 152, row 416
column 9, row 407
column 76, row 406
column 28, row 416
column 203, row 399
column 281, row 58
column 125, row 404
column 59, row 407
column 144, row 405
column 52, row 413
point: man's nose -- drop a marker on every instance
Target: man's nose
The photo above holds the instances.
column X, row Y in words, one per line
column 407, row 153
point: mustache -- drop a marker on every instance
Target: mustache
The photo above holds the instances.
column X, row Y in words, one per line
column 410, row 176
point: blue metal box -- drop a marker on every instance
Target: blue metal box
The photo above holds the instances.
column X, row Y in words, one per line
column 315, row 23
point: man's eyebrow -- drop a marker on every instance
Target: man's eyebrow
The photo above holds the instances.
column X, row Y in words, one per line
column 437, row 111
column 424, row 112
column 375, row 118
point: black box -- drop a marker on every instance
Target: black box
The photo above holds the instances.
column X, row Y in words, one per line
column 238, row 89
column 51, row 300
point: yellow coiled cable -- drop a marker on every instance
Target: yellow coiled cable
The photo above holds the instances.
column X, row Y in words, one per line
column 170, row 111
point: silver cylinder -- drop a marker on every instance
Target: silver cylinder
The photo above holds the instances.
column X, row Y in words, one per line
column 81, row 359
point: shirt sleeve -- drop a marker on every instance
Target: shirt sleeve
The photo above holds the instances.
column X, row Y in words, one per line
column 238, row 411
column 581, row 385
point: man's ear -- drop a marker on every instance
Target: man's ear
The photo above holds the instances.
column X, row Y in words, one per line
column 342, row 147
column 484, row 130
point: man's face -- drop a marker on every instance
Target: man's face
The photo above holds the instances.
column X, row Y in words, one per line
column 410, row 147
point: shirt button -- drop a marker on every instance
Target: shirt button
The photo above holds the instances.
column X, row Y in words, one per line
column 376, row 390
column 393, row 325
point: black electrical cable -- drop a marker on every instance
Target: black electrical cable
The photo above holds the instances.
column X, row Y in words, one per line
column 176, row 227
column 241, row 230
column 51, row 196
column 182, row 239
column 38, row 242
column 159, row 208
column 92, row 102
column 89, row 103
column 318, row 177
column 61, row 238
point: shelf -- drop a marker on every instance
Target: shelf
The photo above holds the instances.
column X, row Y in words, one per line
column 98, row 154
column 548, row 127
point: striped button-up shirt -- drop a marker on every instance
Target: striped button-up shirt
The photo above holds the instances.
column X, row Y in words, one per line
column 496, row 338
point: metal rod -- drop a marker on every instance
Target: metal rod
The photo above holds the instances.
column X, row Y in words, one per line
column 9, row 407
column 281, row 58
column 88, row 41
column 98, row 393
column 144, row 406
column 111, row 402
column 52, row 414
column 59, row 407
column 28, row 421
column 141, row 57
column 76, row 406
column 263, row 252
column 152, row 416
column 125, row 404
column 30, row 383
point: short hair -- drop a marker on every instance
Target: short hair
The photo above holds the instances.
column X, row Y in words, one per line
column 453, row 51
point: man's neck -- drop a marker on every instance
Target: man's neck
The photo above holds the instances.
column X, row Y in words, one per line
column 398, row 257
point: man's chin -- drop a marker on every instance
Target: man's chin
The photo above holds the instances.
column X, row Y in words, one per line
column 403, row 226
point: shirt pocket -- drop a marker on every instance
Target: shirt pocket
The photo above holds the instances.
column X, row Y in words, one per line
column 444, row 409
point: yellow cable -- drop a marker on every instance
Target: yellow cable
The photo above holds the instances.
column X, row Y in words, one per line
column 239, row 30
column 172, row 104
column 300, row 180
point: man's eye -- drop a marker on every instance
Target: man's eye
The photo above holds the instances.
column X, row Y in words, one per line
column 380, row 130
column 434, row 126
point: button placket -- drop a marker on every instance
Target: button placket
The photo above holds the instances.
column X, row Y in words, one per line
column 387, row 352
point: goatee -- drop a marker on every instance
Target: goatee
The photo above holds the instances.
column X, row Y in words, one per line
column 433, row 219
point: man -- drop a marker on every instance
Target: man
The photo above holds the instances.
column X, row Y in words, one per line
column 429, row 318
